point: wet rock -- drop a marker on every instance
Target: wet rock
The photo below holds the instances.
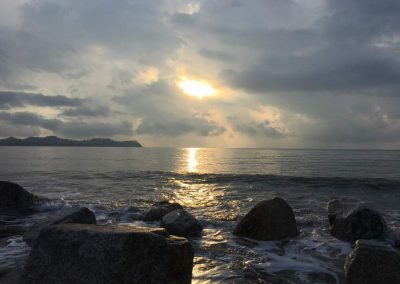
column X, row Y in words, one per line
column 80, row 215
column 15, row 199
column 160, row 209
column 269, row 220
column 340, row 207
column 181, row 223
column 93, row 254
column 349, row 223
column 372, row 263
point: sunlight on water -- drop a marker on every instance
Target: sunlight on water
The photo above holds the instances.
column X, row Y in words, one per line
column 192, row 160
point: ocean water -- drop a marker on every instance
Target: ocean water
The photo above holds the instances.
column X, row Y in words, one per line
column 218, row 186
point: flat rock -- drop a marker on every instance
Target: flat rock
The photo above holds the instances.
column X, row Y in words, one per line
column 160, row 209
column 352, row 222
column 181, row 223
column 15, row 199
column 93, row 254
column 81, row 215
column 269, row 220
column 372, row 263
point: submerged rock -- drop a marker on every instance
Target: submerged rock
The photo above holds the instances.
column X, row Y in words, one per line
column 269, row 220
column 80, row 215
column 160, row 209
column 93, row 254
column 372, row 263
column 349, row 223
column 181, row 223
column 15, row 199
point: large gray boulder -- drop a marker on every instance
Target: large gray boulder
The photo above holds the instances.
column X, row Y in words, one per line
column 269, row 220
column 160, row 209
column 181, row 223
column 93, row 254
column 372, row 263
column 81, row 215
column 15, row 199
column 350, row 223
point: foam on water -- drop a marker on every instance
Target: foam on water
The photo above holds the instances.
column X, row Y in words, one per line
column 13, row 254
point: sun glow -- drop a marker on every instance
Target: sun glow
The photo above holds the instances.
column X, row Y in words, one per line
column 198, row 89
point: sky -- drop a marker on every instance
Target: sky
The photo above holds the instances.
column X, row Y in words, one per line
column 207, row 73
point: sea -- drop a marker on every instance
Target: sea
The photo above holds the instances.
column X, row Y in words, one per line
column 218, row 186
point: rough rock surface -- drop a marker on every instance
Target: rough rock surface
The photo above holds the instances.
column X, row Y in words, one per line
column 349, row 223
column 15, row 199
column 269, row 220
column 372, row 263
column 181, row 223
column 160, row 209
column 92, row 254
column 80, row 215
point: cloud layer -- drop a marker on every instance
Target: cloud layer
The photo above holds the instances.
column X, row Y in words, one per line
column 290, row 73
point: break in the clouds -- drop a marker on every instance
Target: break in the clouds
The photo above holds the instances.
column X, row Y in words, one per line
column 289, row 73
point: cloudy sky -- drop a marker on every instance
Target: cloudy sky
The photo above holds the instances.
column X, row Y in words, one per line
column 211, row 73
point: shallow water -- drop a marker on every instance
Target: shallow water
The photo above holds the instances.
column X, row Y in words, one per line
column 218, row 186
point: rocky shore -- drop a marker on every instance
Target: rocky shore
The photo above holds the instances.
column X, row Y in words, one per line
column 69, row 247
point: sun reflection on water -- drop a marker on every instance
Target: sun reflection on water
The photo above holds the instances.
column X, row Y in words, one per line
column 192, row 159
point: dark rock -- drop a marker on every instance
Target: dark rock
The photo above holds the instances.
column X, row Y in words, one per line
column 181, row 223
column 15, row 199
column 340, row 207
column 80, row 215
column 269, row 220
column 372, row 263
column 350, row 224
column 93, row 254
column 160, row 209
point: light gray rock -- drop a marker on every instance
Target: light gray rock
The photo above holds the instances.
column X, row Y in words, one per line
column 181, row 223
column 93, row 254
column 372, row 263
column 269, row 220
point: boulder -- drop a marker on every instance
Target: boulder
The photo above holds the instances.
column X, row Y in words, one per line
column 93, row 254
column 269, row 220
column 372, row 263
column 349, row 223
column 15, row 199
column 160, row 209
column 340, row 207
column 80, row 215
column 181, row 223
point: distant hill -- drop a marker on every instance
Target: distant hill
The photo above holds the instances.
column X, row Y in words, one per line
column 55, row 141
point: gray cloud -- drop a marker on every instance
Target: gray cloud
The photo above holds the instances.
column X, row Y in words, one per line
column 164, row 112
column 84, row 111
column 253, row 128
column 18, row 99
column 79, row 129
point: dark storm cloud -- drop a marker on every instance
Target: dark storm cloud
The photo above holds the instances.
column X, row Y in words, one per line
column 17, row 99
column 67, row 128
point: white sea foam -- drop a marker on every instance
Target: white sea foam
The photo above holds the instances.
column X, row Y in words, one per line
column 14, row 254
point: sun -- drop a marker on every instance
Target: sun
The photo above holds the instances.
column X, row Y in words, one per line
column 198, row 89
